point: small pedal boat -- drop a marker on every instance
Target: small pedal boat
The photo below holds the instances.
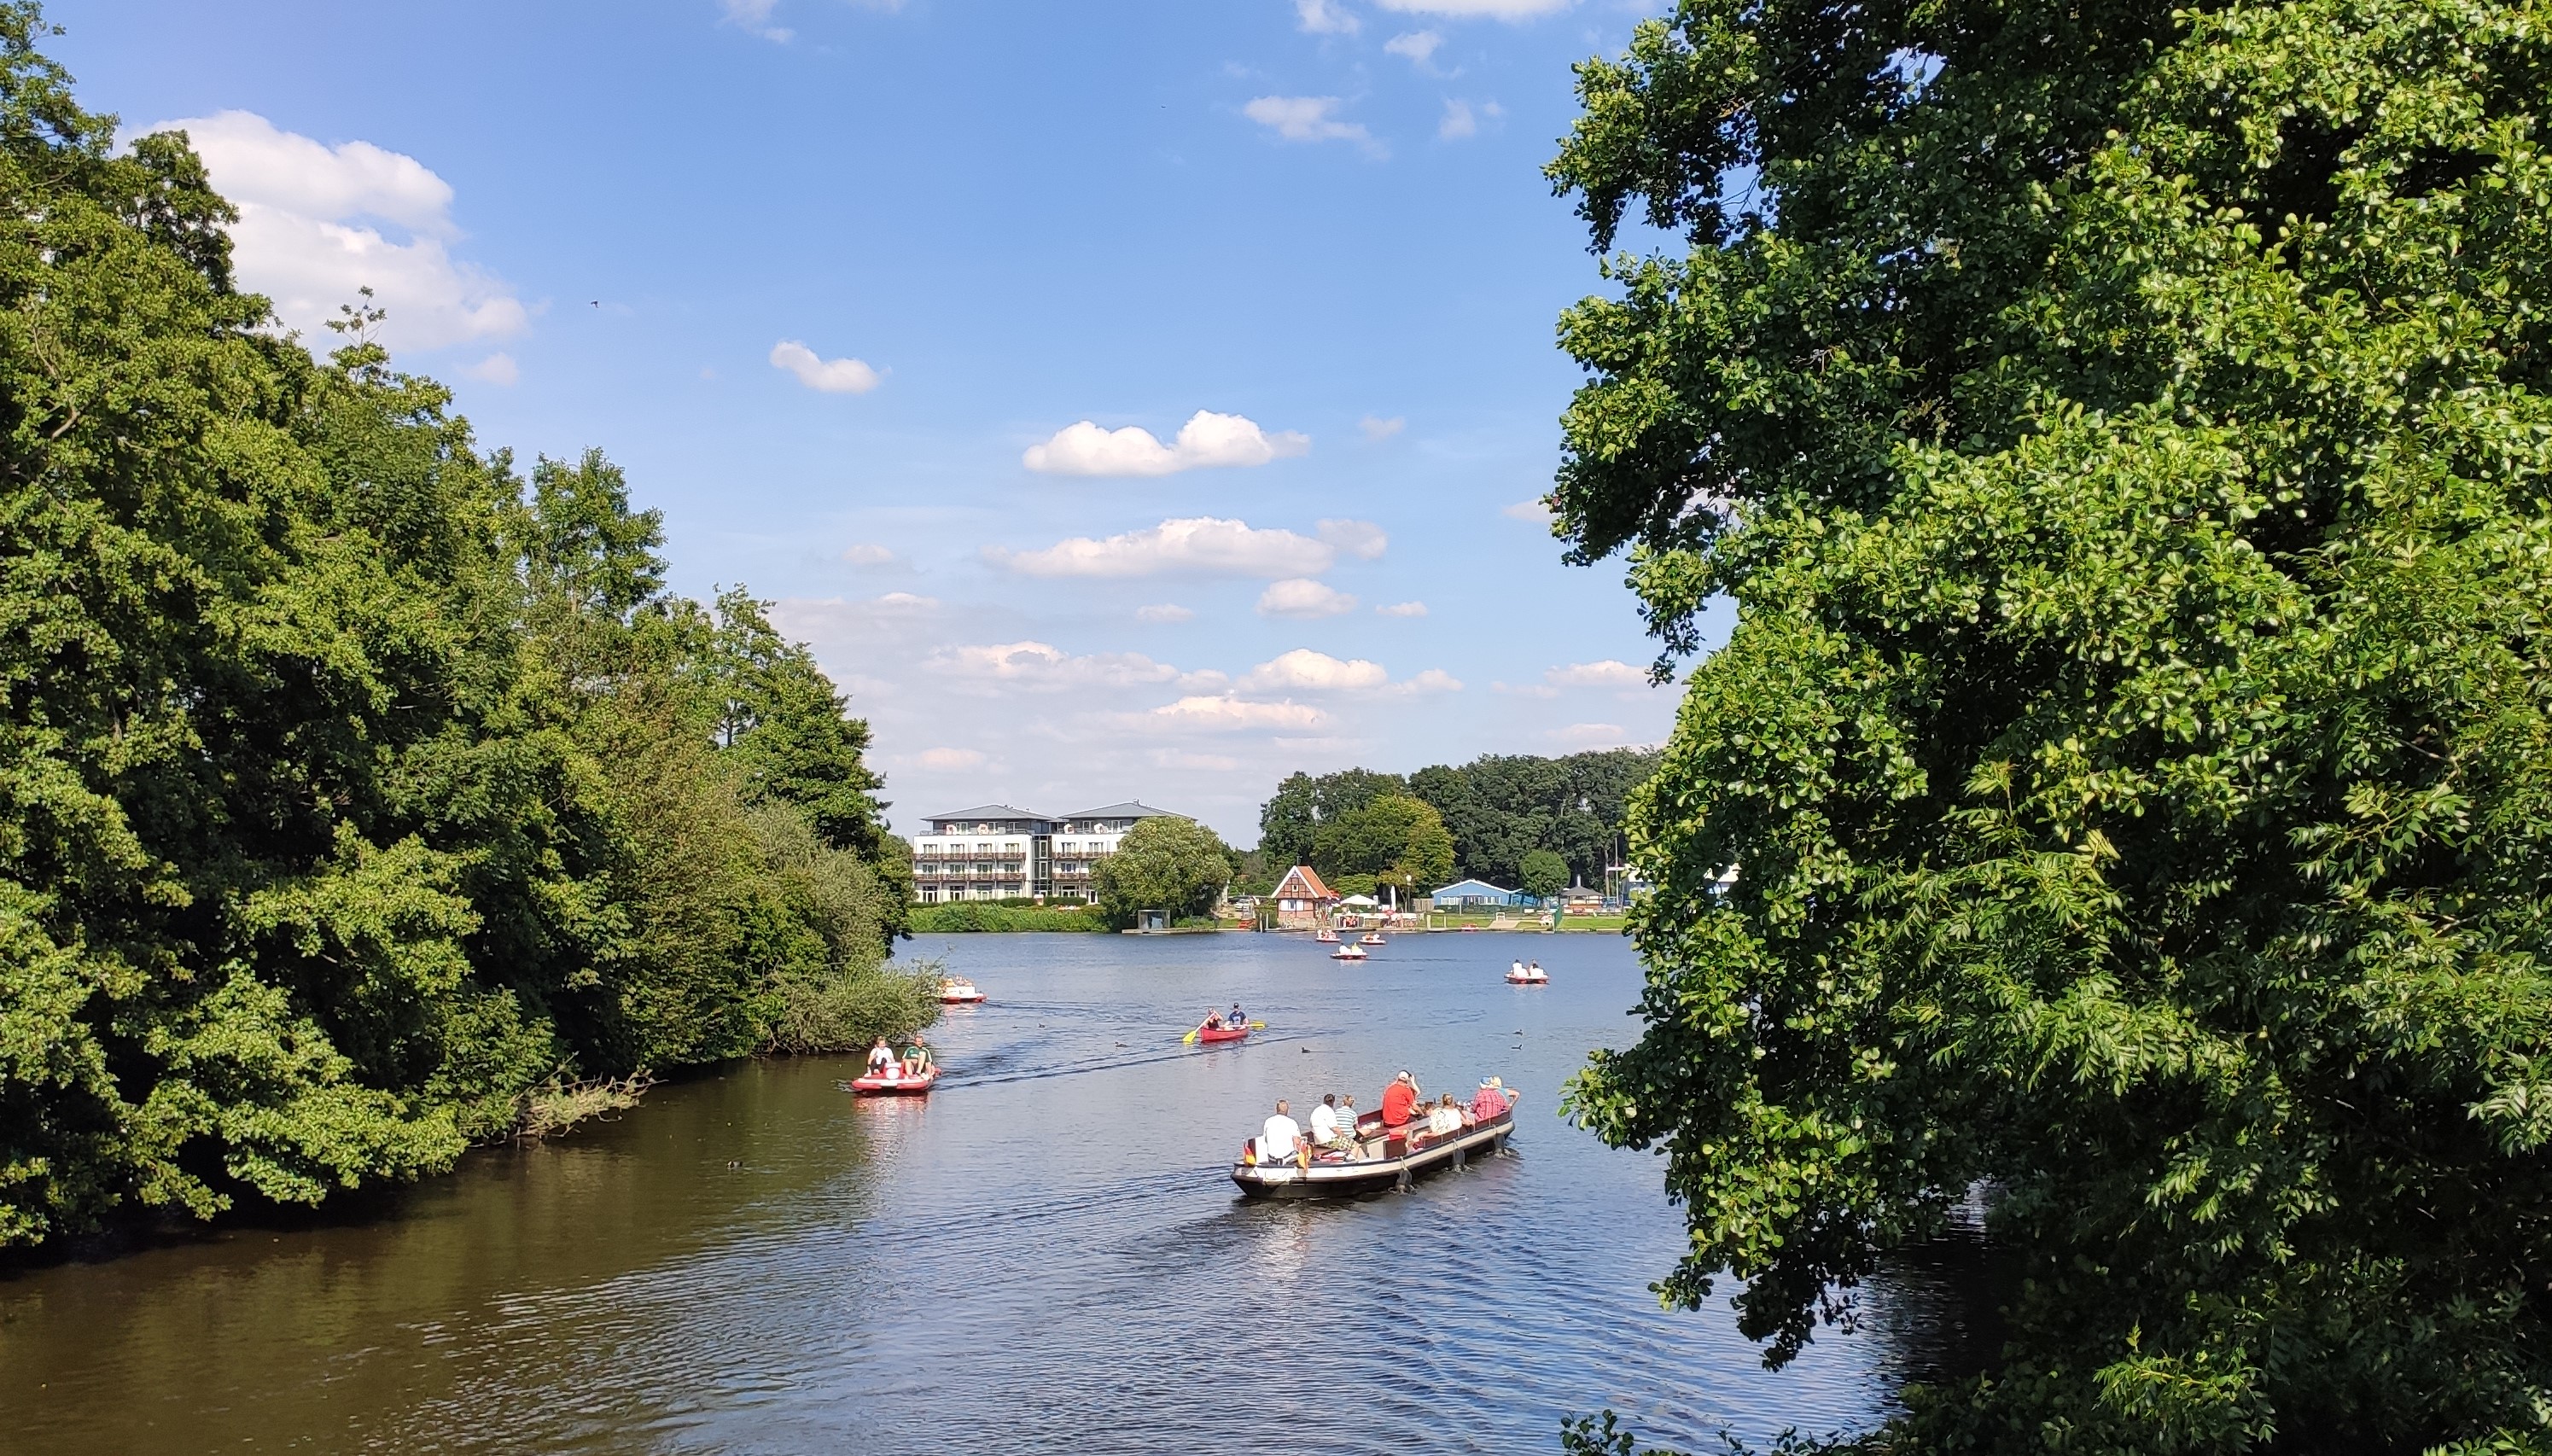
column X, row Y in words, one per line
column 1374, row 937
column 1326, row 936
column 874, row 1086
column 957, row 991
column 1528, row 975
column 1348, row 952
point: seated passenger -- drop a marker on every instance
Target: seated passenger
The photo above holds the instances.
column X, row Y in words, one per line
column 1281, row 1140
column 1490, row 1102
column 1233, row 1020
column 916, row 1059
column 881, row 1058
column 1399, row 1101
column 1325, row 1124
column 1445, row 1118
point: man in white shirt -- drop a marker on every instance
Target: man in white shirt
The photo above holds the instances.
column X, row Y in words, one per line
column 1281, row 1140
column 1325, row 1122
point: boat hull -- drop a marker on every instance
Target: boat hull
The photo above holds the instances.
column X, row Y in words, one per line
column 1381, row 1175
column 1208, row 1038
column 1528, row 981
column 900, row 1087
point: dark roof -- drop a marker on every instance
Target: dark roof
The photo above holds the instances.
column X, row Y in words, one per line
column 988, row 811
column 1130, row 809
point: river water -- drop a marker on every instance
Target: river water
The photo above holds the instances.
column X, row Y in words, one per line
column 1045, row 1255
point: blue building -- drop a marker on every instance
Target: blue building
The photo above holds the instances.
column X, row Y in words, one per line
column 1476, row 894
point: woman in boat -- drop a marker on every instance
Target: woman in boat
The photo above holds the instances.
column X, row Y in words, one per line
column 880, row 1057
column 1445, row 1118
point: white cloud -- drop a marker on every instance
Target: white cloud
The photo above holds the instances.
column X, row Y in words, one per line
column 1205, row 440
column 1606, row 673
column 1304, row 598
column 825, row 375
column 753, row 17
column 1527, row 510
column 1506, row 10
column 1434, row 680
column 496, row 369
column 1376, row 428
column 1589, row 735
column 869, row 554
column 1196, row 544
column 1418, row 46
column 1325, row 18
column 302, row 241
column 1309, row 119
column 1224, row 713
column 1042, row 667
column 949, row 758
column 1315, row 672
column 1164, row 611
column 1461, row 120
column 1362, row 540
column 1402, row 610
column 1527, row 690
column 906, row 601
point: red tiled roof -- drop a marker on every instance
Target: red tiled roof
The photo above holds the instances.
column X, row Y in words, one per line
column 1310, row 881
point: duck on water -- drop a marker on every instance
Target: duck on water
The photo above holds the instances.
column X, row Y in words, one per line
column 1342, row 1154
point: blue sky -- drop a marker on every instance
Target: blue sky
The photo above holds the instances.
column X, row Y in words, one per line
column 872, row 299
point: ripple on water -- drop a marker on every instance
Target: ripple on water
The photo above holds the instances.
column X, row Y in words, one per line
column 1045, row 1255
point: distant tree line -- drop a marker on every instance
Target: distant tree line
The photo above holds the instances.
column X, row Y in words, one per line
column 1514, row 821
column 355, row 786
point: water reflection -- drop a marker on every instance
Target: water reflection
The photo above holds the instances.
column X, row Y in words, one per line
column 1043, row 1255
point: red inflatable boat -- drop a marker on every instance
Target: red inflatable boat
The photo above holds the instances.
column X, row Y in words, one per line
column 1221, row 1033
column 895, row 1087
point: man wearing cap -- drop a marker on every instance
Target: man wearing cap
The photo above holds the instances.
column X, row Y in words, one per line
column 1399, row 1101
column 1490, row 1100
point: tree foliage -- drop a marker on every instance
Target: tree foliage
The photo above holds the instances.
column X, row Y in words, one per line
column 1498, row 808
column 2122, row 432
column 1542, row 873
column 352, row 785
column 1392, row 840
column 1164, row 863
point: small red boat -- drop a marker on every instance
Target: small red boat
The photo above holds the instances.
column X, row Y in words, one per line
column 1221, row 1033
column 874, row 1086
column 957, row 991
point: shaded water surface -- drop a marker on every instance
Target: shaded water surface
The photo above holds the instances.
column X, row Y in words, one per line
column 1044, row 1256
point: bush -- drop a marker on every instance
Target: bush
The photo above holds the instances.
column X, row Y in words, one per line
column 984, row 915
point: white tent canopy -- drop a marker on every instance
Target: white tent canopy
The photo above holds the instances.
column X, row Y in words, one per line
column 1359, row 901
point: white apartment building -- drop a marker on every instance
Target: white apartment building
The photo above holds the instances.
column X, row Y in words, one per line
column 1002, row 852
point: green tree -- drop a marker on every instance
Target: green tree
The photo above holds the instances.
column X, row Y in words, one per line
column 1544, row 874
column 1291, row 819
column 351, row 787
column 1394, row 839
column 2123, row 433
column 1165, row 863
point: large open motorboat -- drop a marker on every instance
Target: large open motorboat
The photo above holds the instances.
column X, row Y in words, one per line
column 1378, row 1164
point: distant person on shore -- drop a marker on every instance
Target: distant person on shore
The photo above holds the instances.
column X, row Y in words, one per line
column 1490, row 1102
column 1399, row 1101
column 1281, row 1140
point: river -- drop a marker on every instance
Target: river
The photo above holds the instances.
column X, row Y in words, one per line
column 1045, row 1255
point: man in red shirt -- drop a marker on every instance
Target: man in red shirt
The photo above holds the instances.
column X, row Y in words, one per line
column 1397, row 1099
